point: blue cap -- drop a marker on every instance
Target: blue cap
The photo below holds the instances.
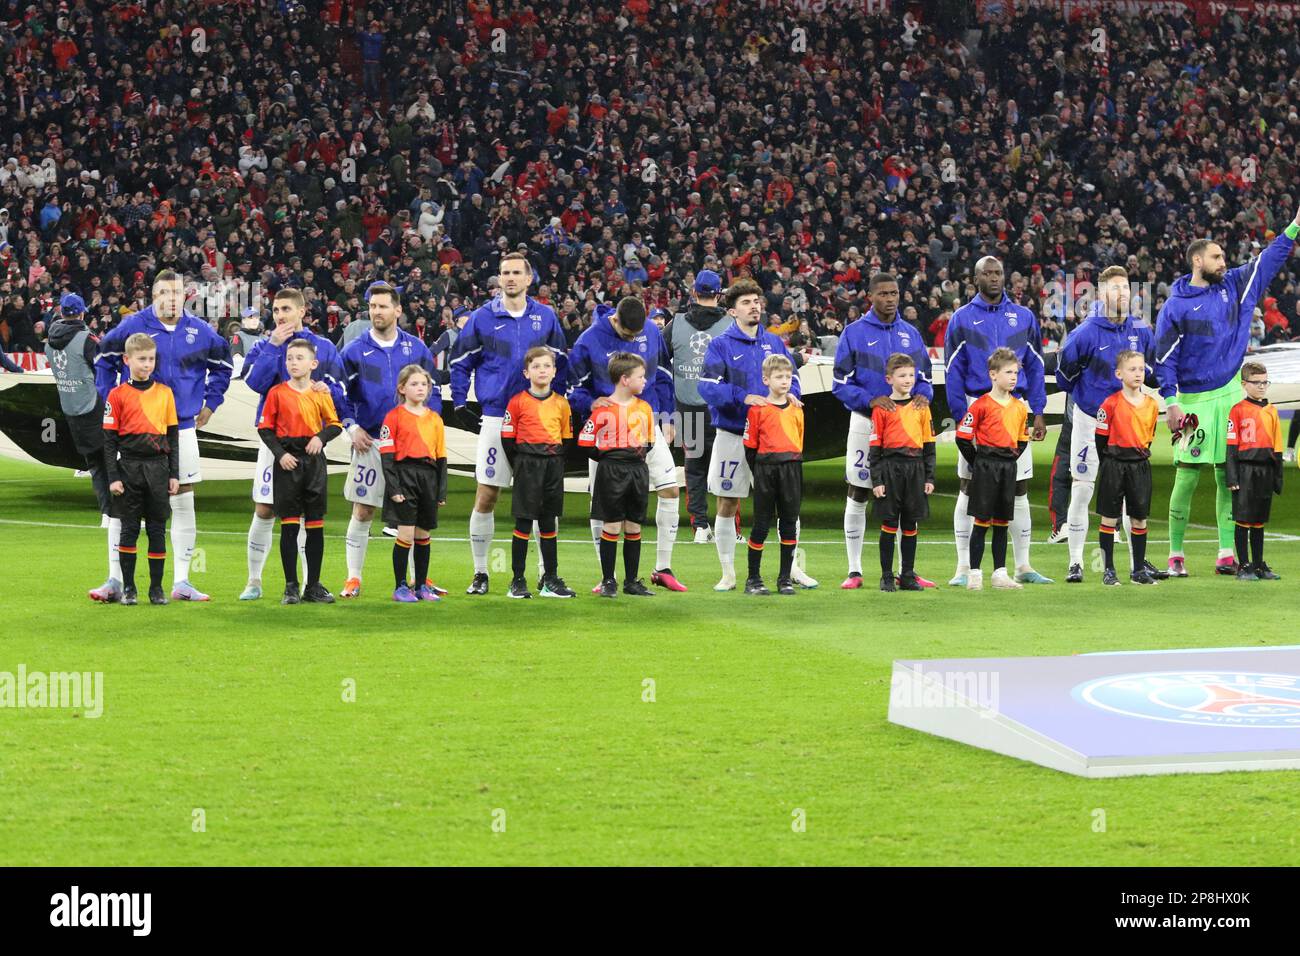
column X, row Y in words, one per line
column 457, row 313
column 706, row 280
column 656, row 311
column 72, row 304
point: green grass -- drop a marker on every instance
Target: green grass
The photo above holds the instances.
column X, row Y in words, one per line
column 482, row 705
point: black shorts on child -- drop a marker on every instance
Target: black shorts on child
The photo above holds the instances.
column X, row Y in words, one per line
column 417, row 482
column 538, row 487
column 1253, row 502
column 302, row 492
column 778, row 486
column 1124, row 482
column 992, row 488
column 144, row 481
column 905, row 498
column 621, row 490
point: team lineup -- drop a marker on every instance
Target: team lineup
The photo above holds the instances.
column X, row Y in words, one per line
column 161, row 373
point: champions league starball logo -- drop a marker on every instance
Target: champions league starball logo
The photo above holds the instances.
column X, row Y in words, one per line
column 700, row 342
column 1210, row 699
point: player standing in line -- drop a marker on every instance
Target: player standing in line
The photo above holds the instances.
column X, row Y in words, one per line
column 988, row 322
column 194, row 362
column 266, row 366
column 371, row 365
column 413, row 446
column 1125, row 425
column 1202, row 334
column 1254, row 470
column 860, row 383
column 490, row 351
column 774, row 451
column 688, row 335
column 141, row 456
column 731, row 381
column 625, row 329
column 1086, row 371
column 297, row 422
column 619, row 436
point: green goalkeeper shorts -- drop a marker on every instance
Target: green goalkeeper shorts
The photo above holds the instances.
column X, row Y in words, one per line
column 1208, row 443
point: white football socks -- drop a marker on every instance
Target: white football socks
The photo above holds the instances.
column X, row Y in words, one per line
column 1020, row 530
column 961, row 526
column 114, row 537
column 1076, row 517
column 855, row 527
column 724, row 538
column 481, row 526
column 354, row 546
column 184, row 535
column 666, row 518
column 260, row 534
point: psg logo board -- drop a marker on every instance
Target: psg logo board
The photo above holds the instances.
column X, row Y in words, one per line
column 1114, row 714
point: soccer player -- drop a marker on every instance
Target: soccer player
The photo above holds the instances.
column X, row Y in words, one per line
column 265, row 367
column 688, row 335
column 142, row 460
column 988, row 322
column 901, row 463
column 1086, row 371
column 1253, row 469
column 297, row 422
column 490, row 351
column 625, row 329
column 70, row 350
column 1125, row 425
column 371, row 365
column 619, row 436
column 860, row 382
column 1202, row 333
column 774, row 452
column 991, row 438
column 537, row 424
column 194, row 362
column 731, row 381
column 413, row 447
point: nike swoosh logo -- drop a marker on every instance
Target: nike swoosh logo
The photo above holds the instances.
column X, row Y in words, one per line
column 978, row 322
column 1197, row 309
column 872, row 342
column 737, row 358
column 371, row 352
column 1103, row 348
column 497, row 328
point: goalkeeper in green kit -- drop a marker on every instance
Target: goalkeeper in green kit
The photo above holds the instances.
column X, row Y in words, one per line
column 1201, row 337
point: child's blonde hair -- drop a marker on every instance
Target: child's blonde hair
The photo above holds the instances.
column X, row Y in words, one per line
column 1001, row 358
column 776, row 362
column 139, row 343
column 1128, row 355
column 406, row 374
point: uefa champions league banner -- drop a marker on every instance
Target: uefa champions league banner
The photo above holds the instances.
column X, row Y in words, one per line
column 1205, row 12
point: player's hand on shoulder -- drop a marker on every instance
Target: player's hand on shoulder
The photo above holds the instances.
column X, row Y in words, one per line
column 603, row 402
column 319, row 387
column 755, row 400
column 793, row 399
column 883, row 401
column 920, row 401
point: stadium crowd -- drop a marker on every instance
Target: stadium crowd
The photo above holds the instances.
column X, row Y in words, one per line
column 322, row 146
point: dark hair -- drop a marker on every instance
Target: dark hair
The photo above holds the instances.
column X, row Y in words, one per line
column 292, row 295
column 879, row 278
column 167, row 275
column 739, row 288
column 1195, row 248
column 537, row 351
column 623, row 363
column 307, row 344
column 631, row 313
column 382, row 288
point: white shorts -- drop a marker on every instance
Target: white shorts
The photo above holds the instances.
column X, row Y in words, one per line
column 857, row 471
column 660, row 464
column 189, row 456
column 1083, row 446
column 365, row 481
column 729, row 475
column 263, row 483
column 490, row 465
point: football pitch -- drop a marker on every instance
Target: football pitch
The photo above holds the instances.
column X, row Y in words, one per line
column 695, row 728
